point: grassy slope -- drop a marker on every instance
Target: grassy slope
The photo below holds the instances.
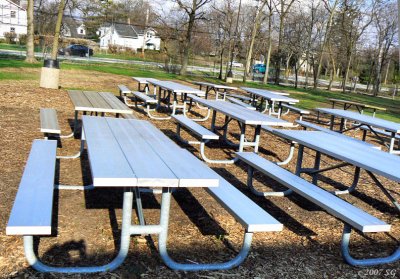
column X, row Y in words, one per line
column 309, row 99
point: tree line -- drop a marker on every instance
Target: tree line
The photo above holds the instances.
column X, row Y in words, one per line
column 347, row 40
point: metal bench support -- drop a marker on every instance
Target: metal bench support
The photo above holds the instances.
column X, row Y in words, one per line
column 395, row 256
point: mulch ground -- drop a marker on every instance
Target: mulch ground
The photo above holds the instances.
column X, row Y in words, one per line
column 88, row 222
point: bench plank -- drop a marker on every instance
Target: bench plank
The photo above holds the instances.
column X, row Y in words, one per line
column 32, row 210
column 195, row 127
column 109, row 166
column 96, row 100
column 252, row 217
column 123, row 89
column 241, row 97
column 240, row 103
column 188, row 173
column 326, row 130
column 299, row 110
column 146, row 98
column 49, row 121
column 114, row 103
column 79, row 100
column 339, row 208
column 132, row 143
column 382, row 132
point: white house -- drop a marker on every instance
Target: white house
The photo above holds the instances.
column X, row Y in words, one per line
column 128, row 36
column 13, row 17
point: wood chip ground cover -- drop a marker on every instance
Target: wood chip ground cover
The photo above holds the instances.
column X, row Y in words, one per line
column 88, row 223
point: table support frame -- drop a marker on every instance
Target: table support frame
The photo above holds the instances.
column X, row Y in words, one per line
column 128, row 229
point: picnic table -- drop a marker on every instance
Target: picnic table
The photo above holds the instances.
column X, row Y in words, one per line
column 373, row 161
column 132, row 155
column 145, row 81
column 168, row 88
column 369, row 122
column 270, row 98
column 97, row 102
column 244, row 118
column 217, row 88
column 359, row 106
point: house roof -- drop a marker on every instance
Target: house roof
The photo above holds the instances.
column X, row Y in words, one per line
column 15, row 4
column 72, row 26
column 125, row 30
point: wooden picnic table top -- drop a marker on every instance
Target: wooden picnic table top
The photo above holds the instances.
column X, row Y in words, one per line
column 126, row 153
column 214, row 85
column 357, row 154
column 143, row 80
column 333, row 100
column 97, row 102
column 176, row 87
column 364, row 119
column 243, row 114
column 261, row 92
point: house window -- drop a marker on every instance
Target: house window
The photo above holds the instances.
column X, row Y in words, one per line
column 81, row 31
column 149, row 35
column 12, row 29
column 13, row 14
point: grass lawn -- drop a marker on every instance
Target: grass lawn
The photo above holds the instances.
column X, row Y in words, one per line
column 309, row 98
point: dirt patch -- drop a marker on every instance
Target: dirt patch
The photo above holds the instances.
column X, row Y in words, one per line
column 88, row 223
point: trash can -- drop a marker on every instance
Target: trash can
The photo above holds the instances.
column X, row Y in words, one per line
column 50, row 74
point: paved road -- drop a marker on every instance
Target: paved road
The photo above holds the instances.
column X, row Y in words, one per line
column 115, row 61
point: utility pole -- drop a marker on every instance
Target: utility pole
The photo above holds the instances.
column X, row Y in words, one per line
column 144, row 30
column 229, row 76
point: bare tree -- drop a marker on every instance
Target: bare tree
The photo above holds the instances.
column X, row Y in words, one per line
column 194, row 10
column 330, row 6
column 355, row 17
column 386, row 26
column 256, row 25
column 283, row 8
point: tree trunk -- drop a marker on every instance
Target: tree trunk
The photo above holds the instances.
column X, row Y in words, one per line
column 186, row 44
column 387, row 73
column 332, row 74
column 57, row 30
column 268, row 55
column 221, row 63
column 296, row 74
column 253, row 38
column 378, row 71
column 346, row 73
column 30, row 45
column 279, row 58
column 287, row 68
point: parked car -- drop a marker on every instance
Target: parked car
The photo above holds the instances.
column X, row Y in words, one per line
column 76, row 50
column 259, row 68
column 237, row 64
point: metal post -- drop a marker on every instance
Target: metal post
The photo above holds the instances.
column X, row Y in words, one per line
column 299, row 160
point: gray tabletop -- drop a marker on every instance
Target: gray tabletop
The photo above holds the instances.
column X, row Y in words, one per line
column 357, row 154
column 176, row 87
column 243, row 114
column 364, row 119
column 134, row 153
column 97, row 102
column 143, row 80
column 216, row 86
column 262, row 92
